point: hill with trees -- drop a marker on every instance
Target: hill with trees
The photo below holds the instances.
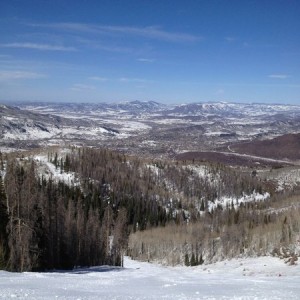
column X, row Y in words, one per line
column 62, row 208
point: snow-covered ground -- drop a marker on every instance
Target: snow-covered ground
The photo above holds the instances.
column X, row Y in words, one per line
column 252, row 278
column 49, row 171
column 227, row 201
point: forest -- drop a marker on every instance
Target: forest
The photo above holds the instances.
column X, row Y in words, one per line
column 150, row 209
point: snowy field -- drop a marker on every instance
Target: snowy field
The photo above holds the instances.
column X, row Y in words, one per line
column 255, row 278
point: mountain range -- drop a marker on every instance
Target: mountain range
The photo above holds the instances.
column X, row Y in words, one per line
column 145, row 127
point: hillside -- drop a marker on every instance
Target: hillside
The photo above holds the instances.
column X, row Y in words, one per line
column 282, row 147
column 81, row 197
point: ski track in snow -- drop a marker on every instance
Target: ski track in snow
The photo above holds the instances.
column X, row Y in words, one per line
column 252, row 278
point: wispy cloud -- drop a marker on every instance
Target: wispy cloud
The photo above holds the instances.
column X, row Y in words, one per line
column 15, row 75
column 96, row 78
column 220, row 92
column 153, row 33
column 230, row 39
column 279, row 76
column 116, row 49
column 5, row 56
column 136, row 80
column 82, row 87
column 277, row 84
column 150, row 32
column 146, row 60
column 42, row 47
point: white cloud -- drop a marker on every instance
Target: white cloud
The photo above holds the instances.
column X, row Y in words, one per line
column 15, row 75
column 82, row 87
column 43, row 47
column 279, row 76
column 152, row 32
column 95, row 44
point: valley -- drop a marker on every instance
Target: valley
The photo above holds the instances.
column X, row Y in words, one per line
column 149, row 129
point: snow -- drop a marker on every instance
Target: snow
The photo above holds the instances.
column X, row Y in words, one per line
column 212, row 133
column 201, row 170
column 48, row 170
column 168, row 121
column 128, row 126
column 227, row 201
column 287, row 178
column 4, row 149
column 88, row 133
column 32, row 133
column 252, row 278
column 149, row 143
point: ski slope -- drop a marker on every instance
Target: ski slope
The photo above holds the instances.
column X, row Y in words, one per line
column 252, row 278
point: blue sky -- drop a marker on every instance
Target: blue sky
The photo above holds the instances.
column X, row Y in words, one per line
column 167, row 51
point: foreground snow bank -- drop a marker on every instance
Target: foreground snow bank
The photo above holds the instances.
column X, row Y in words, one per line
column 254, row 278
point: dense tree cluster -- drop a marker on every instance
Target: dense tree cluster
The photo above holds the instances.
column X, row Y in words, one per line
column 47, row 225
column 107, row 176
column 163, row 205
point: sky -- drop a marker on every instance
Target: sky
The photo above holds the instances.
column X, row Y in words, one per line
column 167, row 51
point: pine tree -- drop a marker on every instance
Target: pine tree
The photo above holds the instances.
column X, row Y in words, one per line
column 67, row 164
column 186, row 260
column 202, row 208
column 193, row 260
column 1, row 162
column 55, row 161
column 201, row 261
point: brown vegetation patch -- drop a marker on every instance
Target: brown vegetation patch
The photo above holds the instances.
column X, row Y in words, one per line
column 282, row 147
column 228, row 159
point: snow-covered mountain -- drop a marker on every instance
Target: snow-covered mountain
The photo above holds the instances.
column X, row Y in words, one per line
column 23, row 125
column 147, row 126
column 233, row 109
column 140, row 106
column 129, row 107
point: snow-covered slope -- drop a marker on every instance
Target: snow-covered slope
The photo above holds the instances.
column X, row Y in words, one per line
column 23, row 125
column 253, row 278
column 48, row 170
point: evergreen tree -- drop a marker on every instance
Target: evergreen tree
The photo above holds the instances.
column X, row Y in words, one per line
column 186, row 260
column 193, row 260
column 201, row 261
